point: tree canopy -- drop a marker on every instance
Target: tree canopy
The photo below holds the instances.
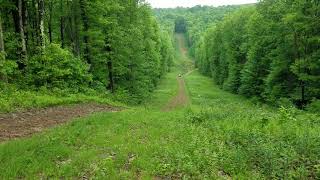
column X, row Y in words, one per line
column 269, row 50
column 80, row 44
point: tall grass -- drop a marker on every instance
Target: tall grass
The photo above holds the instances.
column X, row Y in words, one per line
column 254, row 140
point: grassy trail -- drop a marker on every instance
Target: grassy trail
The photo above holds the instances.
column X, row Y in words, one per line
column 218, row 136
column 186, row 68
column 128, row 144
column 181, row 99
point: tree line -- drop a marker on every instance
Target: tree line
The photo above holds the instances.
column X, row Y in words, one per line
column 81, row 44
column 270, row 51
column 192, row 21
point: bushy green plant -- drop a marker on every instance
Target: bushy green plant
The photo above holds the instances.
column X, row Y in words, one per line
column 197, row 117
column 57, row 67
column 270, row 56
column 14, row 99
column 314, row 107
column 284, row 102
column 6, row 67
column 287, row 114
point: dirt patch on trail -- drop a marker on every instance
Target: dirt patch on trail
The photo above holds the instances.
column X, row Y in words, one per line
column 181, row 99
column 182, row 45
column 22, row 124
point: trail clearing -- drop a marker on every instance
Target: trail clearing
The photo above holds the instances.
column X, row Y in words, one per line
column 218, row 136
column 181, row 99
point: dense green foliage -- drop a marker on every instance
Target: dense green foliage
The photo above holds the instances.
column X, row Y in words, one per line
column 221, row 136
column 66, row 52
column 13, row 99
column 81, row 44
column 268, row 51
column 192, row 21
column 57, row 68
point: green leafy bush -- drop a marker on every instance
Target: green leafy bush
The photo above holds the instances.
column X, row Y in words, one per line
column 6, row 67
column 198, row 117
column 58, row 68
column 284, row 102
column 14, row 99
column 314, row 106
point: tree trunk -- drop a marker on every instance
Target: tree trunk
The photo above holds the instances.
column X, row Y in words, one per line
column 76, row 29
column 71, row 33
column 304, row 71
column 15, row 17
column 35, row 6
column 110, row 75
column 62, row 25
column 1, row 37
column 31, row 19
column 85, row 21
column 3, row 77
column 108, row 49
column 77, row 36
column 70, row 26
column 50, row 21
column 23, row 53
column 41, row 23
column 303, row 96
column 25, row 20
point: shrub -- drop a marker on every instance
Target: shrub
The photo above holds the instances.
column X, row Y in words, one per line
column 314, row 106
column 285, row 102
column 57, row 68
column 7, row 67
column 197, row 117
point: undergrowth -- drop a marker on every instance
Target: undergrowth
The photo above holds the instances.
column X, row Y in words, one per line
column 14, row 99
column 253, row 140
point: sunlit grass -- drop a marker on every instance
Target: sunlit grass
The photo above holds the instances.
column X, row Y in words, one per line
column 220, row 136
column 255, row 140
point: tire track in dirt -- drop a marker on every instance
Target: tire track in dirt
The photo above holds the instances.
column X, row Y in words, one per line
column 181, row 99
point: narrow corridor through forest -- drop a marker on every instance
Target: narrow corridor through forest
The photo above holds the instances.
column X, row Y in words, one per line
column 189, row 129
column 181, row 99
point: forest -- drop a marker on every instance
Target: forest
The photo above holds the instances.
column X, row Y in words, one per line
column 118, row 89
column 82, row 45
column 269, row 51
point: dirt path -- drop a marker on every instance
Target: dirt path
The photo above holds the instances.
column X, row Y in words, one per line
column 181, row 99
column 22, row 124
column 182, row 46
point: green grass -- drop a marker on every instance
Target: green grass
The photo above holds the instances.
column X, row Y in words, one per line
column 168, row 88
column 12, row 99
column 219, row 135
column 255, row 140
column 183, row 63
column 221, row 132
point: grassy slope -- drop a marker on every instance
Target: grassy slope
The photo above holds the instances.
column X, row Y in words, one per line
column 12, row 99
column 220, row 135
column 255, row 141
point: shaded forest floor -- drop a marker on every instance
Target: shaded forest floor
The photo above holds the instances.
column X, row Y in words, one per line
column 214, row 135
